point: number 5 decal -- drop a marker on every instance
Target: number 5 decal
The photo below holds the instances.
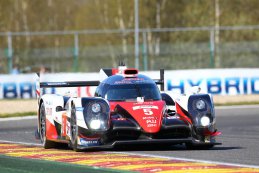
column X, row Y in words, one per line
column 148, row 112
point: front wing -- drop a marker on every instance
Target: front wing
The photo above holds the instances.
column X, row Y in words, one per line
column 149, row 142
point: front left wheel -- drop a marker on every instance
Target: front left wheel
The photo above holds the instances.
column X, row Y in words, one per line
column 74, row 130
column 42, row 129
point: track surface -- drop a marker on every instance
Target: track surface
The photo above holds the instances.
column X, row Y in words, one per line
column 240, row 138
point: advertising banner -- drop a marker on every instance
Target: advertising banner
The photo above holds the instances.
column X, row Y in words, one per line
column 215, row 81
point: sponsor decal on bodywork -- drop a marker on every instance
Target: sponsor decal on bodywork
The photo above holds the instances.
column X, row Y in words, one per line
column 145, row 107
column 87, row 142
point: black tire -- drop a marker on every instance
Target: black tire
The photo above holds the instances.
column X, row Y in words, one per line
column 42, row 129
column 74, row 130
column 190, row 146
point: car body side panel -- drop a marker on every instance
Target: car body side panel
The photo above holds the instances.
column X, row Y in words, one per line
column 51, row 132
column 180, row 112
column 79, row 112
column 51, row 101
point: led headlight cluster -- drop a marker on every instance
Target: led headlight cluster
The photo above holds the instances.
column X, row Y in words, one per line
column 96, row 114
column 205, row 121
column 201, row 110
column 200, row 104
column 95, row 124
column 96, row 108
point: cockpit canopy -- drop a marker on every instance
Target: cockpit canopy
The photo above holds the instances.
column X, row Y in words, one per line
column 119, row 88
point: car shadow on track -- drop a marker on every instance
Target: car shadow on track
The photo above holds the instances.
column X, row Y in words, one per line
column 168, row 148
column 179, row 147
column 158, row 148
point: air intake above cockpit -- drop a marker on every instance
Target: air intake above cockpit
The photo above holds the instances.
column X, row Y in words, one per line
column 130, row 72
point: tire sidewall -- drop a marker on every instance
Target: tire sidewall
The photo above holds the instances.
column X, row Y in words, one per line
column 74, row 138
column 42, row 135
column 45, row 142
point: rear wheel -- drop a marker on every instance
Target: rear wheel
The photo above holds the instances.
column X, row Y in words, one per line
column 42, row 129
column 74, row 130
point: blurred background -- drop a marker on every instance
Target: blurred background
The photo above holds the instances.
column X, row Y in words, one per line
column 86, row 35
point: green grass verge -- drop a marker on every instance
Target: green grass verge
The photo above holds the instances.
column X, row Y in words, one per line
column 20, row 114
column 24, row 165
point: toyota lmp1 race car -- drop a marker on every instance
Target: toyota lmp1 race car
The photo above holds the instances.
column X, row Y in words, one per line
column 127, row 108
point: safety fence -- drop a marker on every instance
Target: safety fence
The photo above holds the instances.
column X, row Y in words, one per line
column 168, row 48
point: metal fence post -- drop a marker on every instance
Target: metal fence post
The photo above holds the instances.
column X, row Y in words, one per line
column 10, row 52
column 76, row 52
column 212, row 49
column 136, row 34
column 144, row 50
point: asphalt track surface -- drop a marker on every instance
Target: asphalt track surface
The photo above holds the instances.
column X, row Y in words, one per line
column 240, row 138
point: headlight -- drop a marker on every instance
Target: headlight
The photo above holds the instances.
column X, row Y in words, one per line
column 205, row 121
column 96, row 114
column 96, row 108
column 95, row 124
column 200, row 104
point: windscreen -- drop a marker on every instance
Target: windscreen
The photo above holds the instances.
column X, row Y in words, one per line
column 130, row 92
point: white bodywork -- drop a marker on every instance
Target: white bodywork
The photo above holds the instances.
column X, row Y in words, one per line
column 182, row 99
column 52, row 101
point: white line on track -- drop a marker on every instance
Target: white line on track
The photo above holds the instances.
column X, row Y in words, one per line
column 154, row 156
column 19, row 118
column 190, row 160
column 22, row 143
column 238, row 107
column 15, row 132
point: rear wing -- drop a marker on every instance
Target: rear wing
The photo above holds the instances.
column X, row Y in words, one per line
column 68, row 84
column 87, row 83
column 64, row 84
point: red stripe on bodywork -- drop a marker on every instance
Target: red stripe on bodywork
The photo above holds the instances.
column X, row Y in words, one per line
column 64, row 124
column 148, row 114
column 183, row 116
column 78, row 91
column 115, row 71
column 51, row 132
column 88, row 93
column 215, row 133
column 38, row 92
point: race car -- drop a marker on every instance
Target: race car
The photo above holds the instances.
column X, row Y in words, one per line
column 127, row 108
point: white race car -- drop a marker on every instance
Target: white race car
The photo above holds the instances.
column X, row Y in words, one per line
column 127, row 109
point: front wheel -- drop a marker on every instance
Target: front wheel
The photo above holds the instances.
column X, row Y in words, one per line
column 74, row 130
column 42, row 129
